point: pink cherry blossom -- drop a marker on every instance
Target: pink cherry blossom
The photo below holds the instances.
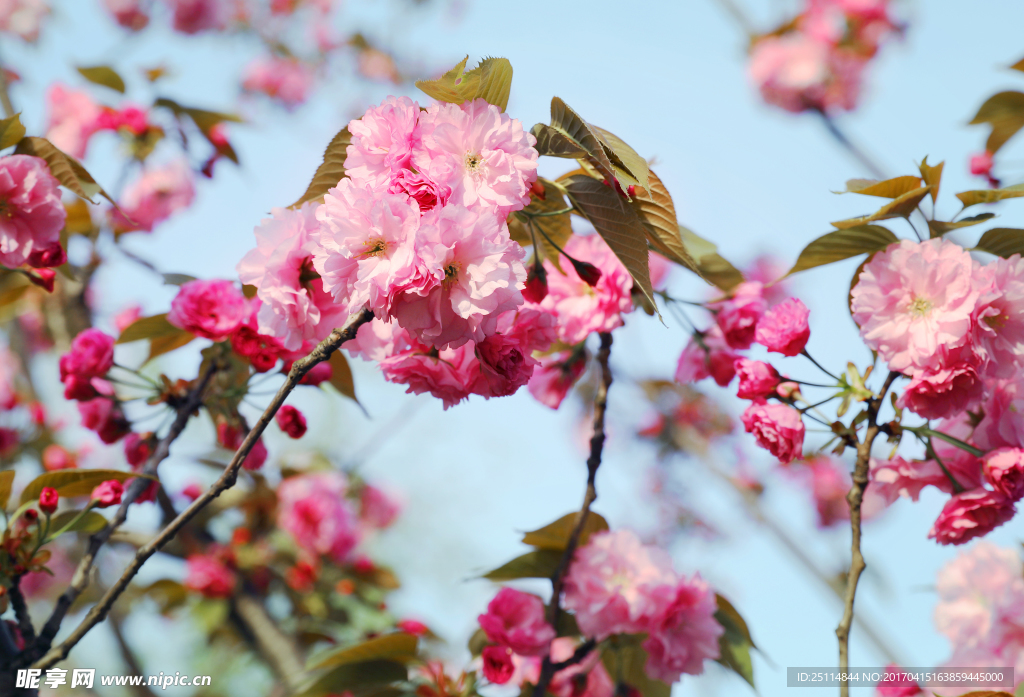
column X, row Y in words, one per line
column 1004, row 470
column 914, row 302
column 757, row 379
column 971, row 514
column 943, row 392
column 998, row 328
column 291, row 421
column 797, row 73
column 491, row 160
column 498, row 667
column 1003, row 423
column 208, row 575
column 91, row 355
column 428, row 193
column 783, row 328
column 194, row 16
column 127, row 317
column 155, row 196
column 23, row 17
column 295, row 307
column 617, row 584
column 981, row 164
column 105, row 417
column 377, row 508
column 261, row 350
column 707, row 355
column 685, row 634
column 382, row 144
column 107, row 493
column 210, row 309
column 287, row 80
column 33, row 213
column 897, row 477
column 555, row 376
column 737, row 316
column 778, row 428
column 128, row 13
column 312, row 508
column 516, row 620
column 581, row 308
column 71, row 118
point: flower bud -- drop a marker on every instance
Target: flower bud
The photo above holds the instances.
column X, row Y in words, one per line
column 48, row 499
column 536, row 284
column 587, row 272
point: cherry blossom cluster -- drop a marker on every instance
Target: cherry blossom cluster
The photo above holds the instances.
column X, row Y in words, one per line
column 816, row 61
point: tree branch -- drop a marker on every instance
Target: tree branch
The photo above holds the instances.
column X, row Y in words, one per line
column 854, row 498
column 99, row 611
column 28, row 632
column 130, row 660
column 272, row 644
column 548, row 669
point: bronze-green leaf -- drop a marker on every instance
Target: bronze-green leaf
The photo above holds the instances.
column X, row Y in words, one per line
column 168, row 594
column 357, row 678
column 548, row 231
column 900, row 207
column 159, row 345
column 734, row 644
column 938, row 228
column 6, row 480
column 1002, row 241
column 658, row 213
column 1004, row 112
column 341, row 375
column 973, row 198
column 618, row 225
column 556, row 535
column 90, row 522
column 398, row 646
column 66, row 169
column 331, row 170
column 624, row 157
column 103, row 75
column 624, row 658
column 713, row 266
column 578, row 138
column 72, row 482
column 540, row 563
column 554, row 143
column 11, row 131
column 491, row 81
column 843, row 244
column 147, row 328
column 890, row 188
column 932, row 176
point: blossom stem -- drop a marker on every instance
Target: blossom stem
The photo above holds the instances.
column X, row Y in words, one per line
column 548, row 668
column 99, row 611
column 925, row 431
column 547, row 214
column 818, row 365
column 850, row 147
column 854, row 498
column 551, row 242
column 957, row 487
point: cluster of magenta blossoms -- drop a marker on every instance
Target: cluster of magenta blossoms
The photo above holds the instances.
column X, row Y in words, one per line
column 616, row 585
column 955, row 328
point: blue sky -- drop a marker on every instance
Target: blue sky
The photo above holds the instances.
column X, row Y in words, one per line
column 667, row 77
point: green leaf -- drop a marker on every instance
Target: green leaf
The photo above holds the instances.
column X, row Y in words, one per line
column 938, row 228
column 890, row 188
column 103, row 75
column 147, row 328
column 491, row 80
column 932, row 176
column 357, row 677
column 541, row 563
column 159, row 345
column 624, row 658
column 11, row 131
column 399, row 647
column 735, row 643
column 211, row 613
column 557, row 227
column 90, row 522
column 66, row 169
column 973, row 198
column 341, row 375
column 573, row 137
column 331, row 170
column 203, row 119
column 177, row 279
column 713, row 266
column 624, row 157
column 554, row 143
column 1002, row 241
column 617, row 224
column 556, row 535
column 168, row 594
column 843, row 244
column 900, row 207
column 655, row 208
column 1004, row 112
column 70, row 483
column 6, row 480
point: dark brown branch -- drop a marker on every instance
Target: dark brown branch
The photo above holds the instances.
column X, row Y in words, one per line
column 299, row 369
column 854, row 499
column 28, row 632
column 548, row 669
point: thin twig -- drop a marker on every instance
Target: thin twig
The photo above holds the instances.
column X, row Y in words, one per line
column 131, row 661
column 548, row 668
column 99, row 611
column 850, row 147
column 854, row 498
column 273, row 644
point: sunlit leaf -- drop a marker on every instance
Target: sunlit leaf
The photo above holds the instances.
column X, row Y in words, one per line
column 932, row 176
column 900, row 207
column 90, row 522
column 713, row 266
column 6, row 480
column 843, row 244
column 11, row 131
column 624, row 157
column 495, row 81
column 655, row 208
column 356, row 677
column 147, row 328
column 556, row 535
column 168, row 594
column 540, row 563
column 624, row 658
column 79, row 219
column 1002, row 241
column 937, row 228
column 734, row 644
column 66, row 169
column 331, row 170
column 570, row 136
column 103, row 75
column 341, row 375
column 558, row 228
column 72, row 482
column 491, row 80
column 399, row 647
column 1004, row 112
column 890, row 188
column 973, row 198
column 159, row 345
column 617, row 224
column 177, row 279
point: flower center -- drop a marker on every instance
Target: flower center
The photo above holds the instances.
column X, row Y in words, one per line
column 996, row 322
column 920, row 307
column 451, row 273
column 472, row 162
column 376, row 248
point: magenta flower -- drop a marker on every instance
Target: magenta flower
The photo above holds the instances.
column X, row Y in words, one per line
column 738, row 315
column 685, row 634
column 291, row 421
column 72, row 118
column 783, row 328
column 104, row 416
column 944, row 392
column 210, row 309
column 33, row 214
column 516, row 620
column 312, row 508
column 107, row 493
column 497, row 664
column 1004, row 470
column 707, row 356
column 208, row 575
column 971, row 514
column 194, row 16
column 155, row 196
column 91, row 356
column 757, row 379
column 554, row 377
column 778, row 428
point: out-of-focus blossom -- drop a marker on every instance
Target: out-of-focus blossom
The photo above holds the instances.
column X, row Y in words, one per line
column 312, row 508
column 71, row 118
column 555, row 376
column 194, row 16
column 107, row 494
column 130, row 14
column 287, row 80
column 686, row 633
column 376, row 508
column 707, row 355
column 737, row 316
column 23, row 17
column 208, row 575
column 157, row 195
column 291, row 421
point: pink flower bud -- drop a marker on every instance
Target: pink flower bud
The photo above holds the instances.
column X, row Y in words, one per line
column 414, row 627
column 50, row 257
column 44, row 278
column 497, row 664
column 1004, row 470
column 981, row 164
column 256, row 457
column 57, row 458
column 971, row 514
column 48, row 499
column 587, row 272
column 291, row 421
column 108, row 493
column 536, row 284
column 777, row 428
